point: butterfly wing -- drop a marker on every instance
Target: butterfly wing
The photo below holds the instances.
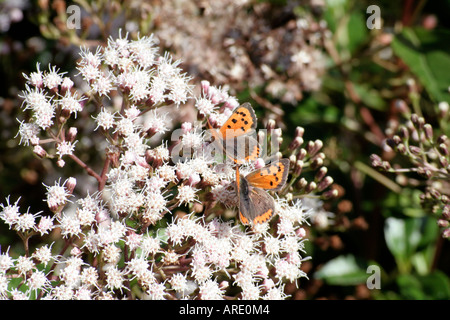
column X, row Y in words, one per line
column 242, row 149
column 238, row 136
column 255, row 205
column 270, row 177
column 241, row 121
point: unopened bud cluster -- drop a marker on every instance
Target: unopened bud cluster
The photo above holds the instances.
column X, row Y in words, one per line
column 428, row 153
column 309, row 174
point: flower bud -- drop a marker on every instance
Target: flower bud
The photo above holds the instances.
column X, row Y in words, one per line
column 397, row 139
column 415, row 150
column 404, row 133
column 446, row 212
column 60, row 163
column 71, row 134
column 205, row 87
column 261, row 136
column 424, row 172
column 386, row 165
column 316, row 146
column 299, row 131
column 321, row 173
column 330, row 194
column 298, row 167
column 289, row 196
column 39, row 151
column 443, row 108
column 297, row 142
column 316, row 163
column 376, row 160
column 428, row 131
column 71, row 184
column 302, row 183
column 443, row 149
column 443, row 161
column 401, row 148
column 302, row 154
column 311, row 187
column 292, row 159
column 325, row 183
column 435, row 194
column 442, row 139
column 277, row 132
column 421, row 122
column 415, row 119
column 270, row 124
column 443, row 223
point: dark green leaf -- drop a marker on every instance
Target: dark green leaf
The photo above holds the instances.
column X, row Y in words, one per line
column 427, row 54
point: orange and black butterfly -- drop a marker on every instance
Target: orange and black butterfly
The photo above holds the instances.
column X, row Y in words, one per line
column 255, row 204
column 237, row 136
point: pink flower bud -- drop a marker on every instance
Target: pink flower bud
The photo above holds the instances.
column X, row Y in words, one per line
column 70, row 184
column 71, row 134
column 259, row 163
column 39, row 151
column 60, row 163
column 270, row 124
column 205, row 86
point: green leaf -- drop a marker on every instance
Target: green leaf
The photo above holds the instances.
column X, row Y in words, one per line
column 343, row 271
column 357, row 31
column 410, row 287
column 427, row 54
column 370, row 97
column 401, row 238
column 411, row 241
column 434, row 286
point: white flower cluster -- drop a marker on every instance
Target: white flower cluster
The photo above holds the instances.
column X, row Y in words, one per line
column 152, row 230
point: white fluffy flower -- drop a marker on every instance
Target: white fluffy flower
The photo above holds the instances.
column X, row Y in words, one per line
column 187, row 194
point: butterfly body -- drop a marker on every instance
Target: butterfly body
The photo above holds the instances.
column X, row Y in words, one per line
column 255, row 204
